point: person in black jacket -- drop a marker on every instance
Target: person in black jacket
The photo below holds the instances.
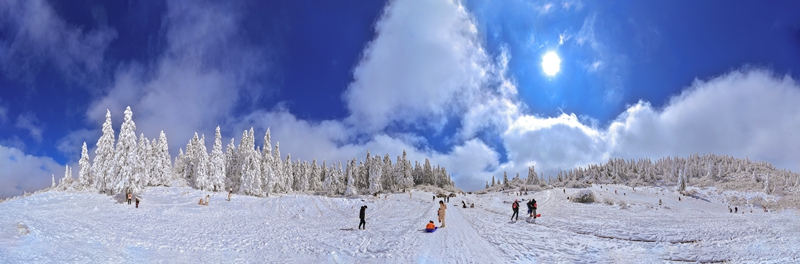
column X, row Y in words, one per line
column 361, row 215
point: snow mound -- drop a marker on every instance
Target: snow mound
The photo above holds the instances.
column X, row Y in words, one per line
column 584, row 196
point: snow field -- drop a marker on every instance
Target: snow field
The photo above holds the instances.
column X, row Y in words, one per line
column 170, row 227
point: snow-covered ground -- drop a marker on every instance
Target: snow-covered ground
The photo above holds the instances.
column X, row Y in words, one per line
column 169, row 226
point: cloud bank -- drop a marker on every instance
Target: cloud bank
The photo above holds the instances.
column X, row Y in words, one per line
column 427, row 66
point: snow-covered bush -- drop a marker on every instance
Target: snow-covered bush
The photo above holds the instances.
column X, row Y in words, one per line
column 584, row 196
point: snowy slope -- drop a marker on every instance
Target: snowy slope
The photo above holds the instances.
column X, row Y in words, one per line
column 170, row 227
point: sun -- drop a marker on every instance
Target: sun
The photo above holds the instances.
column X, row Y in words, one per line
column 551, row 63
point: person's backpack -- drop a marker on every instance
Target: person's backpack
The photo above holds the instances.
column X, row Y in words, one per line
column 514, row 205
column 534, row 205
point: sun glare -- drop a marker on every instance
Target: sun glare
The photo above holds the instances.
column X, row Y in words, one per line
column 551, row 63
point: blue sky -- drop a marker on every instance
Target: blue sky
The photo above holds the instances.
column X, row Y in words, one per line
column 459, row 82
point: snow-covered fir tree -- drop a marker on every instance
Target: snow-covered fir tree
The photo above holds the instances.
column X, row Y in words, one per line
column 231, row 166
column 350, row 189
column 103, row 165
column 126, row 158
column 375, row 175
column 267, row 164
column 251, row 166
column 85, row 173
column 217, row 162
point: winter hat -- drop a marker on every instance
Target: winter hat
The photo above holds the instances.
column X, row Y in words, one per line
column 515, row 200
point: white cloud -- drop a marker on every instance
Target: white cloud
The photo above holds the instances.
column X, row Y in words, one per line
column 22, row 172
column 745, row 113
column 423, row 64
column 29, row 122
column 195, row 84
column 41, row 38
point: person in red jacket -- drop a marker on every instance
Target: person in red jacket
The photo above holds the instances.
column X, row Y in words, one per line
column 515, row 207
column 430, row 227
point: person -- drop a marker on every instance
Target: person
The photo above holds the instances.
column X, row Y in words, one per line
column 207, row 198
column 230, row 191
column 434, row 198
column 129, row 198
column 463, row 204
column 137, row 202
column 532, row 208
column 200, row 202
column 430, row 227
column 515, row 207
column 472, row 205
column 442, row 208
column 735, row 209
column 362, row 214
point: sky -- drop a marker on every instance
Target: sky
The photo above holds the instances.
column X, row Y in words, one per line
column 459, row 82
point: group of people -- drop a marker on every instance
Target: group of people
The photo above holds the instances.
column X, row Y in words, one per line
column 531, row 209
column 130, row 197
column 204, row 202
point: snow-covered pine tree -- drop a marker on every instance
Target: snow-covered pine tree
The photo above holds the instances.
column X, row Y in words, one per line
column 324, row 171
column 408, row 178
column 84, row 175
column 350, row 188
column 231, row 166
column 163, row 173
column 288, row 173
column 487, row 185
column 387, row 174
column 363, row 182
column 202, row 172
column 375, row 175
column 217, row 162
column 127, row 157
column 300, row 176
column 178, row 170
column 267, row 164
column 278, row 183
column 251, row 166
column 505, row 179
column 313, row 177
column 493, row 181
column 427, row 173
column 103, row 165
column 64, row 182
column 143, row 165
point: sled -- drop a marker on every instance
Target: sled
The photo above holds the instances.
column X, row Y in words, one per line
column 431, row 230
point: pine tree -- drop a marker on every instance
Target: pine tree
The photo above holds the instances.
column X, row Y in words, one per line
column 505, row 179
column 427, row 173
column 493, row 181
column 218, row 167
column 288, row 173
column 313, row 176
column 163, row 173
column 350, row 188
column 251, row 166
column 127, row 157
column 103, row 165
column 84, row 175
column 375, row 175
column 143, row 165
column 278, row 183
column 387, row 173
column 231, row 166
column 202, row 170
column 487, row 185
column 267, row 164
